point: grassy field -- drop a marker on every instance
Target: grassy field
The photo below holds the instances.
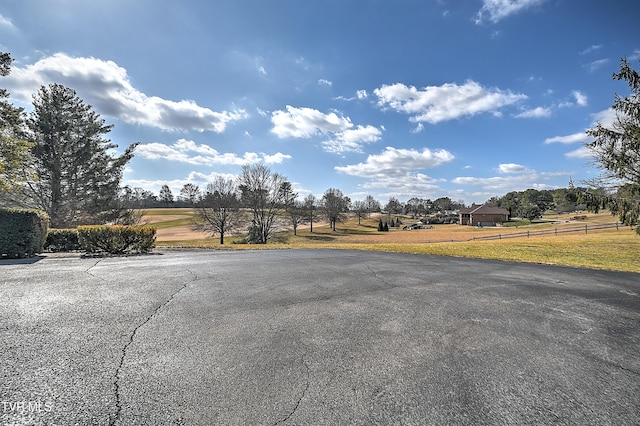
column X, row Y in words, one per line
column 612, row 249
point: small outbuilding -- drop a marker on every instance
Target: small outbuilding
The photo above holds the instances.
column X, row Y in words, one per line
column 483, row 215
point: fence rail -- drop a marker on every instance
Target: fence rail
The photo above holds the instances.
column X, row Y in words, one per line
column 527, row 234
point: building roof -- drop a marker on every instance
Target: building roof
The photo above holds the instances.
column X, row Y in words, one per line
column 484, row 209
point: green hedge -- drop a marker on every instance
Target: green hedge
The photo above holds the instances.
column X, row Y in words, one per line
column 117, row 239
column 22, row 232
column 62, row 240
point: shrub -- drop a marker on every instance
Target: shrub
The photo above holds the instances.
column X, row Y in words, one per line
column 117, row 239
column 62, row 240
column 22, row 232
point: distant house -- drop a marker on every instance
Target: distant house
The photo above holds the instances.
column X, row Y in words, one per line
column 483, row 215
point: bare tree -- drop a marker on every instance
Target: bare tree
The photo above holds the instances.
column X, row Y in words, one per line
column 359, row 207
column 166, row 196
column 218, row 209
column 189, row 194
column 263, row 192
column 372, row 204
column 297, row 215
column 310, row 206
column 335, row 205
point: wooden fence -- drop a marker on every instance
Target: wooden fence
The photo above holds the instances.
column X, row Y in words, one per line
column 528, row 234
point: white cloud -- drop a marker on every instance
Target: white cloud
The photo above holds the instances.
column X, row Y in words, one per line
column 596, row 65
column 538, row 112
column 519, row 178
column 591, row 49
column 394, row 163
column 434, row 104
column 569, row 139
column 399, row 169
column 360, row 95
column 262, row 71
column 606, row 117
column 582, row 152
column 496, row 10
column 512, row 168
column 307, row 122
column 106, row 86
column 276, row 158
column 6, row 23
column 187, row 151
column 324, row 82
column 352, row 139
column 419, row 128
column 581, row 98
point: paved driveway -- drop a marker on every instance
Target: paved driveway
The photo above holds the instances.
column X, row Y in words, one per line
column 304, row 337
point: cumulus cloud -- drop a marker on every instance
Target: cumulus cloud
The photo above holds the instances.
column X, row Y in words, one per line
column 362, row 94
column 106, row 86
column 512, row 168
column 305, row 123
column 399, row 169
column 434, row 104
column 538, row 112
column 581, row 98
column 394, row 162
column 324, row 82
column 187, row 151
column 497, row 10
column 352, row 139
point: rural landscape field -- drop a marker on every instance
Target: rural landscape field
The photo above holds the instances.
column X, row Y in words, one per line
column 592, row 241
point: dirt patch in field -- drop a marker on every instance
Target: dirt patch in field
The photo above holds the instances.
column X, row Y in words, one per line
column 164, row 218
column 180, row 233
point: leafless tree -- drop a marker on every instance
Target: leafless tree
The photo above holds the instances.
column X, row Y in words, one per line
column 218, row 209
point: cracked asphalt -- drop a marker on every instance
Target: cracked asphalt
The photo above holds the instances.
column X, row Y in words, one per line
column 299, row 337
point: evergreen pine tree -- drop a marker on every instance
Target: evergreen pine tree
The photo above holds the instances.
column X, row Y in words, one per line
column 78, row 179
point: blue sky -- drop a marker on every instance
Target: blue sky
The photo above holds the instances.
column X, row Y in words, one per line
column 467, row 99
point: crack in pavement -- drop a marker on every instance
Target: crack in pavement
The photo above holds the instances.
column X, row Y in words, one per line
column 89, row 272
column 377, row 277
column 304, row 392
column 116, row 384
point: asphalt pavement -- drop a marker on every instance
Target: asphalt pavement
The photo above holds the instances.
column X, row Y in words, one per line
column 315, row 337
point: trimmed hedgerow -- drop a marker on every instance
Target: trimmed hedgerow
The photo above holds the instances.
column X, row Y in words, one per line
column 22, row 232
column 62, row 240
column 117, row 239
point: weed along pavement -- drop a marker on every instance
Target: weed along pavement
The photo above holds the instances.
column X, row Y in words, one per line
column 303, row 337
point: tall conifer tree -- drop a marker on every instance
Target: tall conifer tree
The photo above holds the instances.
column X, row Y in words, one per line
column 78, row 177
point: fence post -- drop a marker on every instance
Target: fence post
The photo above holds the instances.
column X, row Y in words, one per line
column 586, row 228
column 556, row 231
column 617, row 226
column 527, row 233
